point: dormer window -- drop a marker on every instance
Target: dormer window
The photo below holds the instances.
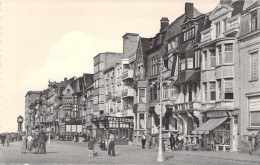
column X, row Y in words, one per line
column 68, row 91
column 189, row 34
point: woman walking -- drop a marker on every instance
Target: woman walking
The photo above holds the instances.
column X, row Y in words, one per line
column 24, row 144
column 29, row 143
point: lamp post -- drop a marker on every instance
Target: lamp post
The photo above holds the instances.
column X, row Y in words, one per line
column 159, row 155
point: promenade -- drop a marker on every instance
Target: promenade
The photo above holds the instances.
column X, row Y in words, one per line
column 63, row 152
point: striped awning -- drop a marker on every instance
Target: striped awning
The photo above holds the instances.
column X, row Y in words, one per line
column 209, row 125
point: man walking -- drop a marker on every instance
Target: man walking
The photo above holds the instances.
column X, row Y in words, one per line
column 172, row 141
column 143, row 141
column 111, row 146
column 42, row 143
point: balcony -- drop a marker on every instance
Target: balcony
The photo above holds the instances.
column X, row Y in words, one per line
column 206, row 35
column 233, row 27
column 128, row 93
column 186, row 106
column 128, row 74
column 132, row 58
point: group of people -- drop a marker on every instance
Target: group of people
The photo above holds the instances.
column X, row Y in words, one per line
column 6, row 138
column 36, row 142
column 175, row 141
column 105, row 144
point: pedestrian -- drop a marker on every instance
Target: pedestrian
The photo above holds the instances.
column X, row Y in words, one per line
column 172, row 141
column 3, row 139
column 111, row 146
column 35, row 143
column 91, row 145
column 29, row 143
column 150, row 140
column 42, row 143
column 24, row 144
column 7, row 139
column 143, row 141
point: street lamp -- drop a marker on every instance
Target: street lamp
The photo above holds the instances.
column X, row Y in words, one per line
column 159, row 155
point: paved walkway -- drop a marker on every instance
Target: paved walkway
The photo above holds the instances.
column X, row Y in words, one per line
column 235, row 156
column 64, row 152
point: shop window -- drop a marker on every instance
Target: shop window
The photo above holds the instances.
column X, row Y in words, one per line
column 219, row 55
column 228, row 53
column 212, row 58
column 229, row 88
column 212, row 91
column 217, row 26
column 254, row 66
column 253, row 20
column 254, row 111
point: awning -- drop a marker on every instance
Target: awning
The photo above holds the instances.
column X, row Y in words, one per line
column 209, row 125
column 194, row 77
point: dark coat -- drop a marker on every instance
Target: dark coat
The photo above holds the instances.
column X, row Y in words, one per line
column 42, row 138
column 91, row 144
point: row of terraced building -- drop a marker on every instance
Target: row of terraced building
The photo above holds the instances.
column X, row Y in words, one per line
column 209, row 64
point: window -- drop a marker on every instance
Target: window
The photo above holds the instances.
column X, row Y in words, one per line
column 165, row 93
column 141, row 121
column 205, row 60
column 254, row 66
column 182, row 64
column 219, row 89
column 142, row 96
column 154, row 66
column 217, row 25
column 219, row 55
column 253, row 20
column 212, row 58
column 229, row 88
column 189, row 63
column 212, row 91
column 154, row 92
column 254, row 111
column 205, row 91
column 228, row 53
column 68, row 91
column 225, row 24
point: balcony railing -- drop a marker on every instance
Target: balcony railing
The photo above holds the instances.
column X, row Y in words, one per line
column 127, row 74
column 206, row 35
column 132, row 57
column 128, row 93
column 188, row 105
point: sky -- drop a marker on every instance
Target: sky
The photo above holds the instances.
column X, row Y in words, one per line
column 44, row 40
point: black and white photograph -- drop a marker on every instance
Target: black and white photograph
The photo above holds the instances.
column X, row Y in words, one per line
column 130, row 82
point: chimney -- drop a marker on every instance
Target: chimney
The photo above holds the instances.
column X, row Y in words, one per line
column 225, row 2
column 189, row 9
column 164, row 23
column 65, row 79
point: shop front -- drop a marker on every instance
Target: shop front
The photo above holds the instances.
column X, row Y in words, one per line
column 122, row 127
column 215, row 133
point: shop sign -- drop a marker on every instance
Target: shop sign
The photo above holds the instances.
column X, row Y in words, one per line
column 120, row 119
column 217, row 114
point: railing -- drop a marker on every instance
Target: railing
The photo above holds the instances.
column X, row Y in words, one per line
column 206, row 35
column 188, row 105
column 127, row 74
column 128, row 93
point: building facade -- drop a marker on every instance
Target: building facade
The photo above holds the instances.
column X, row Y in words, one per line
column 248, row 69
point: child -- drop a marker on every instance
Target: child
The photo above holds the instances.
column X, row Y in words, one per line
column 91, row 147
column 29, row 143
column 24, row 144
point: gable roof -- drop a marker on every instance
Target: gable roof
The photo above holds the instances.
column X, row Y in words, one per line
column 175, row 27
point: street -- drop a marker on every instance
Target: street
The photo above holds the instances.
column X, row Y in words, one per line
column 64, row 152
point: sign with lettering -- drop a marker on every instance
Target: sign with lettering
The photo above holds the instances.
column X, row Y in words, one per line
column 120, row 119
